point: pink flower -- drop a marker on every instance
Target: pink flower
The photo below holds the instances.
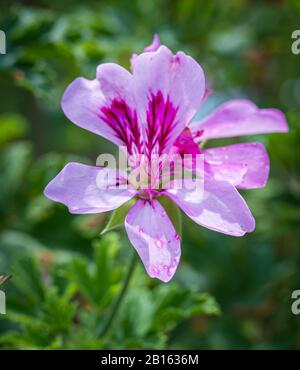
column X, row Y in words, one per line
column 150, row 111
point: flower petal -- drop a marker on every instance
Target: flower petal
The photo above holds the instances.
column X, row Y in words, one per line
column 231, row 172
column 87, row 189
column 152, row 47
column 185, row 144
column 239, row 117
column 244, row 165
column 155, row 44
column 169, row 90
column 105, row 105
column 220, row 208
column 154, row 238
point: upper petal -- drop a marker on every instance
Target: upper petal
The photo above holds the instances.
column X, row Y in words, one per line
column 169, row 90
column 220, row 207
column 105, row 105
column 154, row 238
column 155, row 44
column 239, row 117
column 87, row 189
column 152, row 47
column 245, row 165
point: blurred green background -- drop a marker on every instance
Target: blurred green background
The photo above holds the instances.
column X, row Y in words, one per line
column 228, row 292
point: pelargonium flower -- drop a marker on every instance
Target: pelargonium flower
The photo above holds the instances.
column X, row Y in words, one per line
column 149, row 111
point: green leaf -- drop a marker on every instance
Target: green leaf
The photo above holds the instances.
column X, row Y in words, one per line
column 137, row 313
column 117, row 217
column 96, row 281
column 26, row 273
column 175, row 303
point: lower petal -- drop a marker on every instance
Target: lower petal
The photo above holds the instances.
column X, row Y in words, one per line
column 219, row 207
column 154, row 238
column 87, row 189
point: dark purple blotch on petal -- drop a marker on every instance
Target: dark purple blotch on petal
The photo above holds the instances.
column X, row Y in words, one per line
column 161, row 121
column 123, row 120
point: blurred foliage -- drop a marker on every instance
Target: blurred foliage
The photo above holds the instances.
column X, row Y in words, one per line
column 62, row 300
column 66, row 276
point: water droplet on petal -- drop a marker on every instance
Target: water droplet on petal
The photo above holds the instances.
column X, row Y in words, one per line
column 177, row 237
column 160, row 243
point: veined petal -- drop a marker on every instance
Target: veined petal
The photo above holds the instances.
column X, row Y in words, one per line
column 220, row 208
column 169, row 90
column 239, row 117
column 87, row 189
column 105, row 105
column 244, row 165
column 154, row 238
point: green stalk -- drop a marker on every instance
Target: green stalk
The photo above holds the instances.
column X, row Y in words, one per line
column 120, row 297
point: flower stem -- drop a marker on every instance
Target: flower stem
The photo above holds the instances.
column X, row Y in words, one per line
column 120, row 297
